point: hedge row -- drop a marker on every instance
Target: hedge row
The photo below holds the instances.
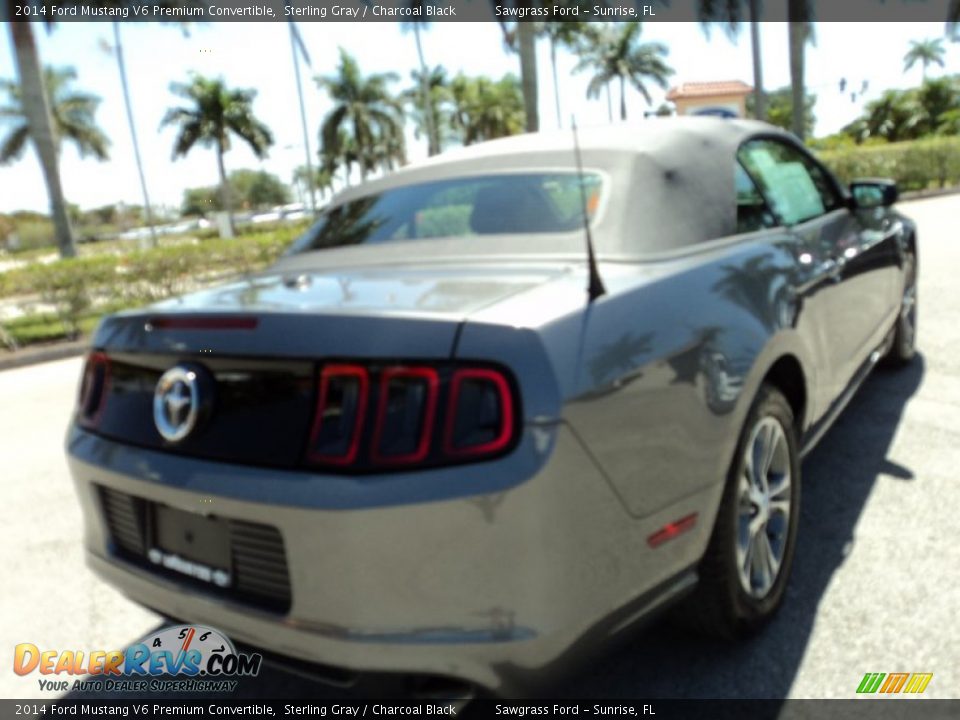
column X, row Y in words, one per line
column 157, row 269
column 74, row 286
column 915, row 165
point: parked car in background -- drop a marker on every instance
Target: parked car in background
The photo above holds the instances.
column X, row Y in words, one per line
column 417, row 444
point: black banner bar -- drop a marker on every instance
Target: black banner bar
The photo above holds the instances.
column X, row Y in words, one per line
column 858, row 11
column 855, row 709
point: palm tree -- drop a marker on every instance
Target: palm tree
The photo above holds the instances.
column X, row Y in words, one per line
column 36, row 110
column 485, row 109
column 800, row 21
column 367, row 111
column 620, row 56
column 779, row 110
column 800, row 29
column 896, row 116
column 339, row 154
column 527, row 43
column 430, row 115
column 521, row 37
column 926, row 52
column 426, row 107
column 730, row 13
column 566, row 34
column 317, row 179
column 215, row 112
column 71, row 115
column 591, row 48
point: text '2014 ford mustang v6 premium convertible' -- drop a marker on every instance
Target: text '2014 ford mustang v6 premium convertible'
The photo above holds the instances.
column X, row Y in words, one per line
column 495, row 408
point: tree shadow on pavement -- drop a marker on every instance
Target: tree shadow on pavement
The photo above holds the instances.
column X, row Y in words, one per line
column 838, row 477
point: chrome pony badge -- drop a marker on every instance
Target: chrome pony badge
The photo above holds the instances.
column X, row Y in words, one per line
column 180, row 396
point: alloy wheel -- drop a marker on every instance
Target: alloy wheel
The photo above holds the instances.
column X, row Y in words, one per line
column 763, row 508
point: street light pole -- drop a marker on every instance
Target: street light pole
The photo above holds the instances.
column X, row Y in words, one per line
column 311, row 180
column 148, row 212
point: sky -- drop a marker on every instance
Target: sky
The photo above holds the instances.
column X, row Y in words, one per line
column 258, row 55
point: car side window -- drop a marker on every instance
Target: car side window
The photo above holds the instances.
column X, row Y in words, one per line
column 752, row 211
column 796, row 187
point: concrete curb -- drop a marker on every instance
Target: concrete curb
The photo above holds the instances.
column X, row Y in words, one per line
column 924, row 194
column 47, row 353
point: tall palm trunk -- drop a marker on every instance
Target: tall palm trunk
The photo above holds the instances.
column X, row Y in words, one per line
column 148, row 213
column 225, row 200
column 759, row 101
column 623, row 98
column 609, row 104
column 798, row 30
column 556, row 83
column 37, row 110
column 433, row 137
column 526, row 34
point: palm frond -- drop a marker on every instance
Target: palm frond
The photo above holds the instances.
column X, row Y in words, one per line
column 72, row 112
column 12, row 147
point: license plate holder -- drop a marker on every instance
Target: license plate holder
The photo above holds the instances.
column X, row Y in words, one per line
column 191, row 544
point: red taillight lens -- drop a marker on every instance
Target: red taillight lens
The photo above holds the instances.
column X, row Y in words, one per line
column 341, row 406
column 421, row 415
column 405, row 415
column 93, row 389
column 479, row 414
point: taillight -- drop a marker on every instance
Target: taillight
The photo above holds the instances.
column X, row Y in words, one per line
column 405, row 414
column 341, row 406
column 374, row 417
column 93, row 389
column 480, row 413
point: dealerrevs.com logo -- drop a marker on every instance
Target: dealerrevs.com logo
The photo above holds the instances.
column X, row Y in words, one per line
column 180, row 658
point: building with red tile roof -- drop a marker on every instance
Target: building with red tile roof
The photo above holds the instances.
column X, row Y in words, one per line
column 726, row 98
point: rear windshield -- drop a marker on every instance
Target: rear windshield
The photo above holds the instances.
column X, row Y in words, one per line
column 515, row 204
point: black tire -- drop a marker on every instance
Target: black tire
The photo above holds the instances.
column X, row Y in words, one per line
column 721, row 605
column 903, row 349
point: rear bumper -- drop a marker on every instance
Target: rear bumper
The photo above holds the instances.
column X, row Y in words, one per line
column 493, row 589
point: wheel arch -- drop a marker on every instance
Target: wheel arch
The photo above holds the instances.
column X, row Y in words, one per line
column 786, row 374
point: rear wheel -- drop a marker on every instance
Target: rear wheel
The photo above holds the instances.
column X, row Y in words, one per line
column 744, row 572
column 905, row 332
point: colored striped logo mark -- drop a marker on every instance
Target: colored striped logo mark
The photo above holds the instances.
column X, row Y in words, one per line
column 890, row 683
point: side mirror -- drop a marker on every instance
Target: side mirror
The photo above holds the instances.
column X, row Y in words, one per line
column 873, row 193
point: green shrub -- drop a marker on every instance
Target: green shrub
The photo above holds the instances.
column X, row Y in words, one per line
column 81, row 289
column 44, row 328
column 32, row 234
column 71, row 286
column 915, row 165
column 146, row 275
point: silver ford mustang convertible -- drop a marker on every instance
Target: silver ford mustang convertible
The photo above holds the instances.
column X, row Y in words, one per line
column 498, row 407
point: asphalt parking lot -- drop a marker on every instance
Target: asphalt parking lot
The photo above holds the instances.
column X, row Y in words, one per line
column 875, row 585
